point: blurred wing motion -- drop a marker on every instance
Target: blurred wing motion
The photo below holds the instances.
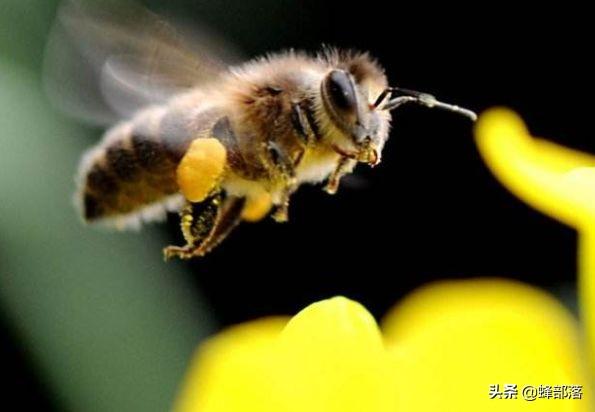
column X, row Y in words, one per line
column 106, row 61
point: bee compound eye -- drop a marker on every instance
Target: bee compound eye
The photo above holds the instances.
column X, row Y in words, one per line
column 341, row 91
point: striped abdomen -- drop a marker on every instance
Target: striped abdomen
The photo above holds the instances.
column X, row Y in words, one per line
column 133, row 170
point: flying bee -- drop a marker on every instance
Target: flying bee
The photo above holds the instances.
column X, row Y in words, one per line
column 219, row 143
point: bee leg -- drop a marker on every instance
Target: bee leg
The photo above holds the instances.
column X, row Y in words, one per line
column 306, row 129
column 196, row 221
column 229, row 216
column 205, row 224
column 344, row 166
column 286, row 168
column 281, row 213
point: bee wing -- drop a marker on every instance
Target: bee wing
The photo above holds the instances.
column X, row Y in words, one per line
column 103, row 63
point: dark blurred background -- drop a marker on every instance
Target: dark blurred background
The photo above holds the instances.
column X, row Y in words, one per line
column 74, row 299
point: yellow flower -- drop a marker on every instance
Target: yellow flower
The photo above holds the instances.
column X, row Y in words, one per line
column 453, row 340
column 330, row 357
column 558, row 181
column 445, row 347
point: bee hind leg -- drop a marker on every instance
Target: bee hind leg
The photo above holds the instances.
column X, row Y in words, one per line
column 205, row 224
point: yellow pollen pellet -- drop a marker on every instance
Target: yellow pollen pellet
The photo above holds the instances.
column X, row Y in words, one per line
column 201, row 168
column 257, row 207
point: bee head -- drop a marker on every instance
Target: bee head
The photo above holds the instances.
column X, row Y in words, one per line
column 348, row 109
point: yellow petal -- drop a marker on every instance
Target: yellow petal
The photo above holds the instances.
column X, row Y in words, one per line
column 549, row 177
column 335, row 360
column 452, row 340
column 233, row 371
column 201, row 168
column 558, row 181
column 329, row 358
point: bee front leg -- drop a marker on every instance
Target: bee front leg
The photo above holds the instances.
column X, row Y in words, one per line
column 205, row 224
column 344, row 166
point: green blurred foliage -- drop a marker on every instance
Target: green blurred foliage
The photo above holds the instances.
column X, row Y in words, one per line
column 108, row 323
column 23, row 28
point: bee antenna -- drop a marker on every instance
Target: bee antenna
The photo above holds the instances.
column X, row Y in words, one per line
column 413, row 96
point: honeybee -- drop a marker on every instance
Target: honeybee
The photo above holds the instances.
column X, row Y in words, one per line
column 221, row 144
